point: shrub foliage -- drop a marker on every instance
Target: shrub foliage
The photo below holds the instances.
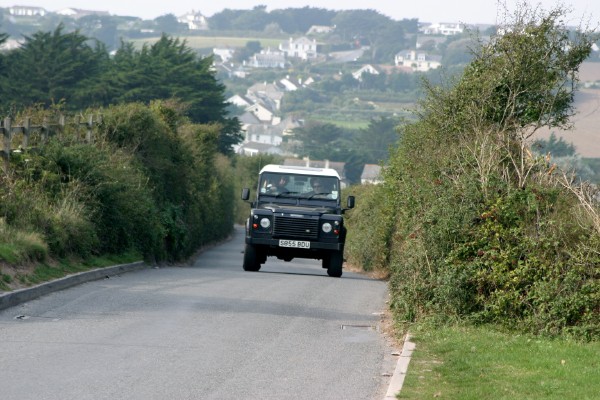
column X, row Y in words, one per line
column 475, row 226
column 151, row 182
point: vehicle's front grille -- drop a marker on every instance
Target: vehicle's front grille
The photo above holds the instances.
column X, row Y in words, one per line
column 300, row 228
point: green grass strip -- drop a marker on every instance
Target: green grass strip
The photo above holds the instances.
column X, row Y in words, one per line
column 483, row 363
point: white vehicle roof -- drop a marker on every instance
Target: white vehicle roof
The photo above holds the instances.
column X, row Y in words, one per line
column 285, row 169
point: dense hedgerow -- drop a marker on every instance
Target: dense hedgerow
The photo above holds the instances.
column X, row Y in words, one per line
column 483, row 230
column 151, row 182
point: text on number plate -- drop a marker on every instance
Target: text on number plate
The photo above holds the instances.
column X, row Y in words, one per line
column 294, row 243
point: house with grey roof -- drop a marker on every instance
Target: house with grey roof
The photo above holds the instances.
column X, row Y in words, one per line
column 268, row 94
column 371, row 174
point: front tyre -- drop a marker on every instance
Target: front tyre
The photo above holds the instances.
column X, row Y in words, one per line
column 334, row 268
column 251, row 260
column 325, row 261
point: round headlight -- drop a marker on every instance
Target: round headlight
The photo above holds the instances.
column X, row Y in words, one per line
column 326, row 227
column 265, row 223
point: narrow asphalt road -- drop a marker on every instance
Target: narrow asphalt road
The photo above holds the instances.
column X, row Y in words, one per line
column 202, row 331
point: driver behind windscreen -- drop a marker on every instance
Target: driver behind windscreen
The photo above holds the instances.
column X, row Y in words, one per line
column 320, row 185
column 276, row 184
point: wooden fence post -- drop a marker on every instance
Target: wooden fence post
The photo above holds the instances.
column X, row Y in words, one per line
column 7, row 132
column 26, row 132
column 61, row 123
column 90, row 125
column 45, row 131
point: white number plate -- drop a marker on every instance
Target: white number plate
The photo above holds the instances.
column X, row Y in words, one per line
column 294, row 243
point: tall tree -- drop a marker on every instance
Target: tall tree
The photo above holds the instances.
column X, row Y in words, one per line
column 51, row 67
column 294, row 20
column 224, row 20
column 255, row 20
column 375, row 141
column 170, row 69
column 168, row 23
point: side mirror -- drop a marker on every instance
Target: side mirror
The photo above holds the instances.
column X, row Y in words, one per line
column 350, row 202
column 245, row 194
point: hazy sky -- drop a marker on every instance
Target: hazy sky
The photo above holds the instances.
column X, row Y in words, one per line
column 468, row 11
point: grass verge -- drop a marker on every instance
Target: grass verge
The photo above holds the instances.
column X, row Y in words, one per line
column 484, row 363
column 25, row 275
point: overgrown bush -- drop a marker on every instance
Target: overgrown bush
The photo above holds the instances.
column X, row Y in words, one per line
column 370, row 225
column 484, row 230
column 181, row 169
column 150, row 183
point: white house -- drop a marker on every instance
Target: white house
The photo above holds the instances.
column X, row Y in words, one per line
column 255, row 148
column 225, row 53
column 267, row 59
column 368, row 69
column 443, row 28
column 26, row 11
column 302, row 48
column 239, row 101
column 261, row 112
column 78, row 13
column 417, row 60
column 307, row 82
column 319, row 29
column 195, row 21
column 288, row 85
column 264, row 133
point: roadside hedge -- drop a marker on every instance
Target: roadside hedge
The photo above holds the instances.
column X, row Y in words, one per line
column 151, row 182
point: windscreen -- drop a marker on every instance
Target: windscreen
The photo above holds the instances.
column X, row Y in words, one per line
column 303, row 186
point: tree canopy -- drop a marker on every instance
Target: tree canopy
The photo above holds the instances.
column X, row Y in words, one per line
column 70, row 69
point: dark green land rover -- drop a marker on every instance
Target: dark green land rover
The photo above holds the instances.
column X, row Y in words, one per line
column 297, row 214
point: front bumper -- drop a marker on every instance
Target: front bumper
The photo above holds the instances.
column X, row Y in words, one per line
column 314, row 245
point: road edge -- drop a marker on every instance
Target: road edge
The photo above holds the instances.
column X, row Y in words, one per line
column 397, row 379
column 16, row 297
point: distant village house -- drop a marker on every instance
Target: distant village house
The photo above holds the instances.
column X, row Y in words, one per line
column 26, row 11
column 366, row 69
column 78, row 13
column 194, row 20
column 302, row 48
column 443, row 28
column 417, row 60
